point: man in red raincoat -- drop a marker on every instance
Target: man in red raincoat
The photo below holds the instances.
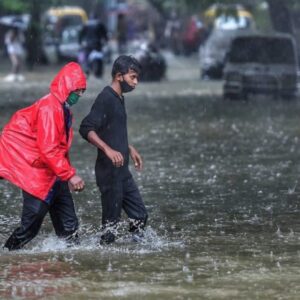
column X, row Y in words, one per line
column 34, row 148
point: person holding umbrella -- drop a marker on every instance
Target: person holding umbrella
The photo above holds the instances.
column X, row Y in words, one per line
column 13, row 41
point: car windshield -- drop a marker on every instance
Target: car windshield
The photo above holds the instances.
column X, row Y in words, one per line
column 262, row 50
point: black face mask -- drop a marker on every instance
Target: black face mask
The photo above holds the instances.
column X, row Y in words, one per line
column 125, row 87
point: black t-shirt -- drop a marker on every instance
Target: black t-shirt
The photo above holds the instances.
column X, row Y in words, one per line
column 108, row 119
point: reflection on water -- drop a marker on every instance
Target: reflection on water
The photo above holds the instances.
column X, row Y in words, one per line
column 221, row 186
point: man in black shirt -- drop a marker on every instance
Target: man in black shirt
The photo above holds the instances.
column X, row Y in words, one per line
column 106, row 128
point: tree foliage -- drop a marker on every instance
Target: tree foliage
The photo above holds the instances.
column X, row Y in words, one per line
column 13, row 6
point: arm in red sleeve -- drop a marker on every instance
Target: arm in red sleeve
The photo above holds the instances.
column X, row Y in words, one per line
column 50, row 131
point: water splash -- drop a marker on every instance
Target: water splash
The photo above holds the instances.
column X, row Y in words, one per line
column 152, row 242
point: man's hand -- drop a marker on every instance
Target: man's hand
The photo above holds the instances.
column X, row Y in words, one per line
column 115, row 156
column 76, row 183
column 138, row 162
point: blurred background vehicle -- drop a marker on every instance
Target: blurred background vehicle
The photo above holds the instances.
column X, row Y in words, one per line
column 259, row 63
column 92, row 62
column 228, row 16
column 61, row 29
column 224, row 23
column 56, row 19
column 92, row 38
column 212, row 54
column 153, row 62
column 68, row 46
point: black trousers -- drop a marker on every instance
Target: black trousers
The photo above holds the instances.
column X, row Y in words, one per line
column 59, row 204
column 123, row 194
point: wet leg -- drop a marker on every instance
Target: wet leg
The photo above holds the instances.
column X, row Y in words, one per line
column 63, row 216
column 111, row 199
column 34, row 211
column 134, row 207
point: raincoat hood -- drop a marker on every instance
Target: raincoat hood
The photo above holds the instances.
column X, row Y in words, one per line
column 70, row 78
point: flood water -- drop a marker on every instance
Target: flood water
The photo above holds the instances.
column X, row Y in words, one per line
column 221, row 184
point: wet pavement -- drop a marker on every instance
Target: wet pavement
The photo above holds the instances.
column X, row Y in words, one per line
column 221, row 185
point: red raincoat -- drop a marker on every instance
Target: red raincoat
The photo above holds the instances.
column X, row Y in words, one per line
column 33, row 145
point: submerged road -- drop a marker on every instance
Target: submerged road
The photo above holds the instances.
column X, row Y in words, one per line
column 220, row 182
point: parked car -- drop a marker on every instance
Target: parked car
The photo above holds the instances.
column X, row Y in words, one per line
column 213, row 52
column 260, row 63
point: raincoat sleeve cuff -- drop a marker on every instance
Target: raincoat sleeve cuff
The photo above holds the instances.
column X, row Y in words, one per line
column 68, row 176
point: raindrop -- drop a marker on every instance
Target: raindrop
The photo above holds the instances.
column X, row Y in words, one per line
column 109, row 267
column 190, row 278
column 292, row 190
column 185, row 269
column 278, row 266
column 278, row 233
column 291, row 234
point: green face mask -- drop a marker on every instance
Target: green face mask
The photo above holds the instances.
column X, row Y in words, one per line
column 73, row 98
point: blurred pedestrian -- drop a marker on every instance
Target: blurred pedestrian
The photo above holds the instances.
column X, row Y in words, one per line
column 92, row 36
column 190, row 36
column 106, row 128
column 172, row 33
column 122, row 33
column 34, row 148
column 14, row 44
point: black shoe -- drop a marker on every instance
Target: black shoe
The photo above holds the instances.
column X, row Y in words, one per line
column 13, row 243
column 72, row 240
column 137, row 225
column 107, row 238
